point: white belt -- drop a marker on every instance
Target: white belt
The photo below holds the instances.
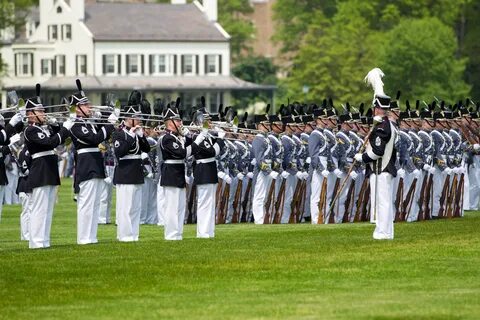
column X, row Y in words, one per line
column 43, row 154
column 87, row 150
column 174, row 161
column 131, row 157
column 207, row 160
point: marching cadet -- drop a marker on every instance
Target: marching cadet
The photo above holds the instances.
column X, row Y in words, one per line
column 380, row 155
column 317, row 149
column 40, row 143
column 129, row 143
column 263, row 174
column 175, row 148
column 89, row 165
column 204, row 149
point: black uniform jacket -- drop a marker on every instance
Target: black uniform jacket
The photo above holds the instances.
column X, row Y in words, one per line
column 205, row 166
column 24, row 163
column 174, row 152
column 86, row 137
column 128, row 149
column 40, row 143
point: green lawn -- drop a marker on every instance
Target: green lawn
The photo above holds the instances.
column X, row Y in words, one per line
column 430, row 271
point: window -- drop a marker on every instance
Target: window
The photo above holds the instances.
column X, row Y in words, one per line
column 52, row 33
column 45, row 66
column 60, row 64
column 59, row 9
column 161, row 64
column 187, row 65
column 24, row 64
column 66, row 31
column 211, row 64
column 110, row 63
column 133, row 63
column 81, row 64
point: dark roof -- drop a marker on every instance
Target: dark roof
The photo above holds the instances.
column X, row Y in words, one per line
column 176, row 83
column 149, row 22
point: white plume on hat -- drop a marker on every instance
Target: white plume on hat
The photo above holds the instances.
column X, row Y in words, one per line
column 374, row 78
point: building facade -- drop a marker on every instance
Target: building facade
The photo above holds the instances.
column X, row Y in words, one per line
column 164, row 50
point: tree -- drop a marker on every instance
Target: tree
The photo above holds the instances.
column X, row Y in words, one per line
column 419, row 58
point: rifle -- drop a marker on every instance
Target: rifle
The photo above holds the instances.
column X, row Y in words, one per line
column 399, row 201
column 245, row 201
column 270, row 196
column 421, row 211
column 301, row 205
column 409, row 200
column 349, row 201
column 217, row 192
column 279, row 203
column 331, row 214
column 451, row 198
column 222, row 211
column 444, row 197
column 236, row 202
column 429, row 198
column 459, row 198
column 358, row 211
column 322, row 203
column 365, row 204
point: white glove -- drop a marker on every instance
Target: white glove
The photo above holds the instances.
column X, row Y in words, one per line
column 338, row 173
column 448, row 171
column 184, row 131
column 68, row 124
column 417, row 173
column 274, row 175
column 150, row 175
column 97, row 114
column 14, row 139
column 221, row 175
column 455, row 170
column 116, row 112
column 51, row 121
column 305, row 175
column 228, row 180
column 461, row 170
column 108, row 180
column 426, row 167
column 250, row 175
column 16, row 119
column 353, row 175
column 199, row 139
column 112, row 118
column 432, row 170
column 299, row 175
column 358, row 157
column 401, row 173
column 377, row 120
column 308, row 160
column 476, row 146
column 139, row 132
column 240, row 176
column 285, row 174
column 325, row 173
column 221, row 134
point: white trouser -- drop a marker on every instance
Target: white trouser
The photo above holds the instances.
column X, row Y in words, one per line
column 290, row 184
column 316, row 188
column 438, row 182
column 2, row 192
column 260, row 193
column 88, row 203
column 466, row 189
column 25, row 215
column 206, row 210
column 342, row 199
column 10, row 195
column 414, row 209
column 41, row 212
column 174, row 214
column 149, row 202
column 381, row 204
column 474, row 186
column 105, row 203
column 160, row 204
column 129, row 205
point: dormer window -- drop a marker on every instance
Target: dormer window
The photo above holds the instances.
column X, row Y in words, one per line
column 59, row 9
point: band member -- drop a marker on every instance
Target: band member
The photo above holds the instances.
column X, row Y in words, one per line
column 40, row 143
column 175, row 148
column 380, row 155
column 204, row 149
column 129, row 143
column 89, row 166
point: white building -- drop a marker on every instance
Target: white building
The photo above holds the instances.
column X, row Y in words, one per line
column 164, row 50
